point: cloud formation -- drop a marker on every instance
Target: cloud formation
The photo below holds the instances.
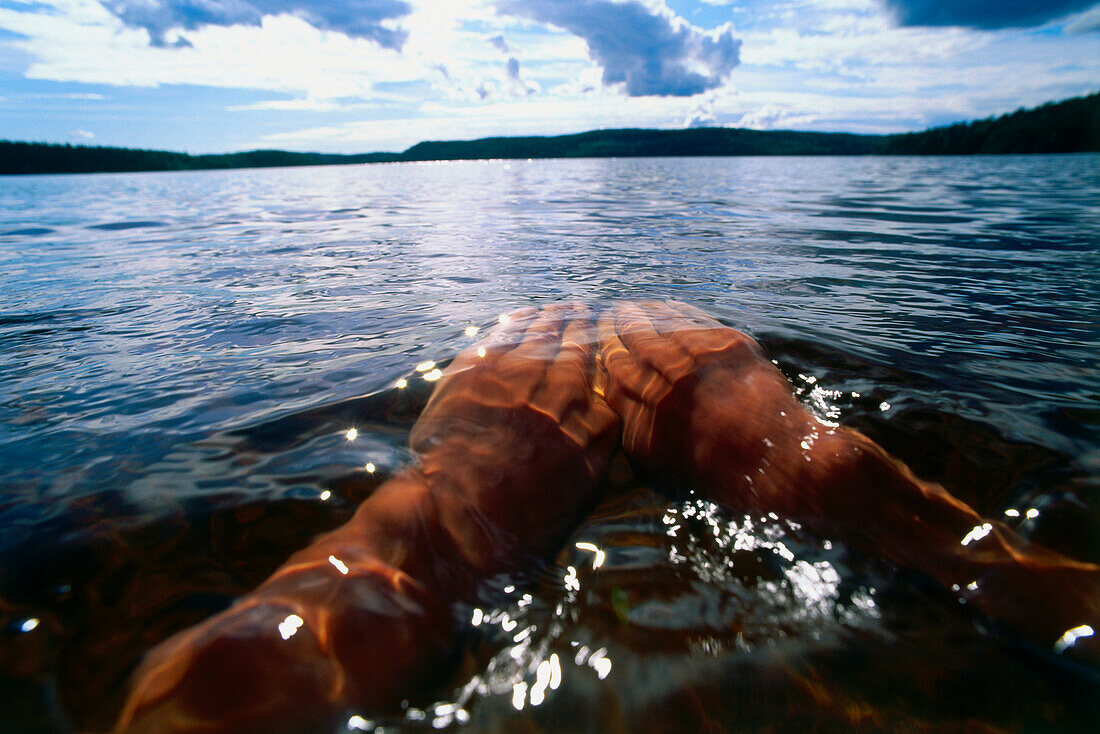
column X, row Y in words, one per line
column 642, row 45
column 1087, row 22
column 355, row 18
column 984, row 14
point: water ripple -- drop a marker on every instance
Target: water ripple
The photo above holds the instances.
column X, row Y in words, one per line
column 199, row 361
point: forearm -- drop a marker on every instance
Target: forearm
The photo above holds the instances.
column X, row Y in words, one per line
column 846, row 485
column 1029, row 589
column 364, row 613
column 510, row 490
column 343, row 625
column 508, row 451
column 701, row 401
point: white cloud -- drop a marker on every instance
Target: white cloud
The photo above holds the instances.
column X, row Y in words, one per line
column 87, row 96
column 702, row 116
column 450, row 36
column 544, row 115
column 467, row 71
column 284, row 54
column 1086, row 22
column 853, row 69
column 858, row 46
column 375, row 20
column 289, row 105
column 640, row 44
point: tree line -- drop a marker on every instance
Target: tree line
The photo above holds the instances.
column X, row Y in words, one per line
column 16, row 158
column 1070, row 126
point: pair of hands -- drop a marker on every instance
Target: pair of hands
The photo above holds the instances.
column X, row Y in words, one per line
column 511, row 448
column 699, row 400
column 546, row 394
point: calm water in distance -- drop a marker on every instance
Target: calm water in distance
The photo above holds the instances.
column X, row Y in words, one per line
column 950, row 307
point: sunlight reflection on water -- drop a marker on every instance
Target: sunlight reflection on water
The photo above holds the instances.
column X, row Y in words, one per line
column 238, row 355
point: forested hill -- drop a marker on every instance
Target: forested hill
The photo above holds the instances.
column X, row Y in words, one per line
column 1071, row 126
column 632, row 143
column 45, row 158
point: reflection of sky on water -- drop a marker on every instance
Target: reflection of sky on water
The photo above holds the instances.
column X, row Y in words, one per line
column 148, row 317
column 261, row 290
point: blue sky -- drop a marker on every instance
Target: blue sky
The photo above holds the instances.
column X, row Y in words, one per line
column 379, row 75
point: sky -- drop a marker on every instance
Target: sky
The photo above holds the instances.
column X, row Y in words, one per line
column 210, row 76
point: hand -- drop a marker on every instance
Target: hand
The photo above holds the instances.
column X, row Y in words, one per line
column 701, row 400
column 511, row 448
column 514, row 438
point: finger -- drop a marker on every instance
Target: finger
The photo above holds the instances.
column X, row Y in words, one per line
column 542, row 338
column 458, row 384
column 578, row 328
column 504, row 335
column 663, row 316
column 633, row 389
column 666, row 317
column 521, row 369
column 578, row 342
column 566, row 386
column 636, row 330
column 599, row 377
column 705, row 338
column 502, row 372
column 592, row 418
column 629, row 379
column 683, row 312
column 617, row 368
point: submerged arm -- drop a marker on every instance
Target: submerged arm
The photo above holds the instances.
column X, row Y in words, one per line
column 701, row 400
column 363, row 616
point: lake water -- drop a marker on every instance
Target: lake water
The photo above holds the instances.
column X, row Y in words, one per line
column 181, row 354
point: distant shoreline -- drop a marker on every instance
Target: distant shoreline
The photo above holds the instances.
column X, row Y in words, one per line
column 1069, row 126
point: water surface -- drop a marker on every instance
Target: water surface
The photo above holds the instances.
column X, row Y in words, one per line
column 181, row 355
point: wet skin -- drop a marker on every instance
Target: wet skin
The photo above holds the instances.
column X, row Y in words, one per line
column 510, row 449
column 701, row 401
column 510, row 452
